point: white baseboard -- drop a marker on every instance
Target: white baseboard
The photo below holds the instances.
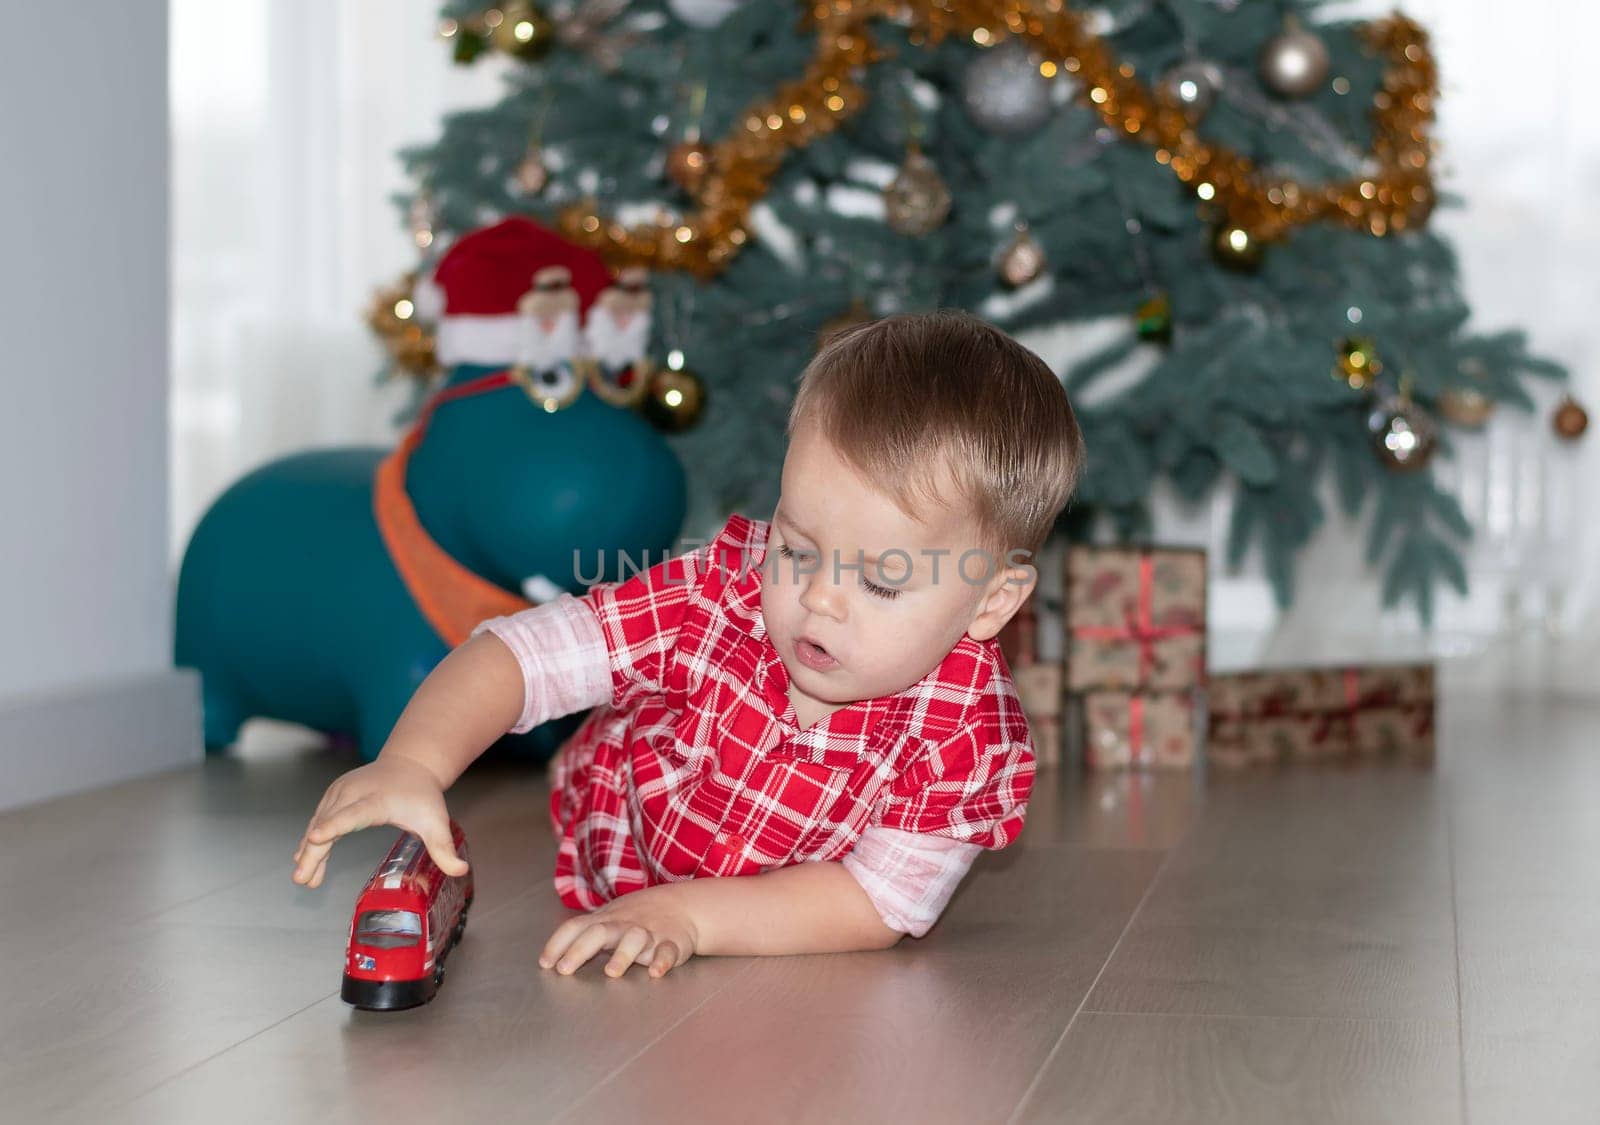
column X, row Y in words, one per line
column 81, row 738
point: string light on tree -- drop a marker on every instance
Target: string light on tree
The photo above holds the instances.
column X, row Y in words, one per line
column 688, row 163
column 1237, row 248
column 522, row 31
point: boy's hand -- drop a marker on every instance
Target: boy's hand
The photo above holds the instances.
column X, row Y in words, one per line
column 647, row 927
column 391, row 790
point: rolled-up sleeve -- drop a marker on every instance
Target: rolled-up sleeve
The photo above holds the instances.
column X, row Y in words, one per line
column 909, row 876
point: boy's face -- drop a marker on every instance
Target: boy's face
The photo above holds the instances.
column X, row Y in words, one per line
column 884, row 596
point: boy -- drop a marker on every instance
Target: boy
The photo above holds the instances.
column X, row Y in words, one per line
column 816, row 703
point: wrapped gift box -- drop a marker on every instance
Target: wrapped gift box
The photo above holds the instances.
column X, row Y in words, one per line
column 1039, row 689
column 1309, row 715
column 1135, row 618
column 1139, row 730
column 1038, row 683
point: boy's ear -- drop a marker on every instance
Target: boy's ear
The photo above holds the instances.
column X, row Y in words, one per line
column 1007, row 593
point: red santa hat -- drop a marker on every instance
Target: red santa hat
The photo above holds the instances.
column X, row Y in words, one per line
column 473, row 292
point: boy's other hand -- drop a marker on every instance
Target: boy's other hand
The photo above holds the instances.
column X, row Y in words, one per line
column 391, row 790
column 646, row 927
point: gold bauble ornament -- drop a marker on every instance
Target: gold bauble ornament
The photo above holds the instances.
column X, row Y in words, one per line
column 532, row 174
column 1358, row 365
column 676, row 399
column 916, row 202
column 1023, row 260
column 1237, row 248
column 1570, row 419
column 524, row 33
column 1466, row 407
column 687, row 165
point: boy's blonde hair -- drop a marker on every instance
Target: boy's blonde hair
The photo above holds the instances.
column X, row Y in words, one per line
column 899, row 397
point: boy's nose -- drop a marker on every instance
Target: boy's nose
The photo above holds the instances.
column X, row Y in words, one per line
column 822, row 597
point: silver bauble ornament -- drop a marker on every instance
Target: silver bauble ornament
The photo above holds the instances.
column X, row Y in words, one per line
column 1294, row 63
column 1023, row 260
column 916, row 202
column 1193, row 87
column 1003, row 90
column 1403, row 435
column 703, row 13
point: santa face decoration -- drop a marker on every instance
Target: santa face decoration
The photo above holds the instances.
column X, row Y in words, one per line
column 519, row 295
column 616, row 336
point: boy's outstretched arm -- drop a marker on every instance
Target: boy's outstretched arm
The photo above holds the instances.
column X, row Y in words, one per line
column 807, row 908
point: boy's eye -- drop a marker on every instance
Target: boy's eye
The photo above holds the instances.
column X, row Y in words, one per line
column 877, row 591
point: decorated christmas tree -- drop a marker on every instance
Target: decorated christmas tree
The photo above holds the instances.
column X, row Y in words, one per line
column 1244, row 187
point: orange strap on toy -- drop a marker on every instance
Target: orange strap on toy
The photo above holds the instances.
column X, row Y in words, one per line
column 452, row 598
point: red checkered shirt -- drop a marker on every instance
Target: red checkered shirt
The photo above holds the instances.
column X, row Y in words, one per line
column 692, row 764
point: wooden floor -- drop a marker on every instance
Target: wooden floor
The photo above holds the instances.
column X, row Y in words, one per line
column 1361, row 947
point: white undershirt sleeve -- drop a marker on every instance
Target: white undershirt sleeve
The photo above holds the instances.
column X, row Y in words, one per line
column 562, row 651
column 909, row 876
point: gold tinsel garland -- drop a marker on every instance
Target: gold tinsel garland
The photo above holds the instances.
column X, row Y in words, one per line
column 1398, row 194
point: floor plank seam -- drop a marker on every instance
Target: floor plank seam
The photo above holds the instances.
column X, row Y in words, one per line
column 666, row 1031
column 1455, row 921
column 198, row 1063
column 1404, row 1021
column 1121, row 937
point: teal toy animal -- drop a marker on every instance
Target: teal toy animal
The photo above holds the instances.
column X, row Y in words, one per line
column 293, row 602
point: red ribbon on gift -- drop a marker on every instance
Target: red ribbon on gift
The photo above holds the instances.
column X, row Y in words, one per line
column 1139, row 630
column 1135, row 730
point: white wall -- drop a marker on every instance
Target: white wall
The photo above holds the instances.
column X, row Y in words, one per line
column 85, row 596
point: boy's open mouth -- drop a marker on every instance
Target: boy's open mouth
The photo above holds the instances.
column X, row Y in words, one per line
column 813, row 654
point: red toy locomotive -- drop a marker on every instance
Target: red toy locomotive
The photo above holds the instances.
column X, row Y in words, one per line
column 408, row 918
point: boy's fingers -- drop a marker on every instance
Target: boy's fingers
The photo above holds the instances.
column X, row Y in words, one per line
column 343, row 821
column 306, row 860
column 592, row 940
column 444, row 855
column 632, row 944
column 666, row 956
column 557, row 945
